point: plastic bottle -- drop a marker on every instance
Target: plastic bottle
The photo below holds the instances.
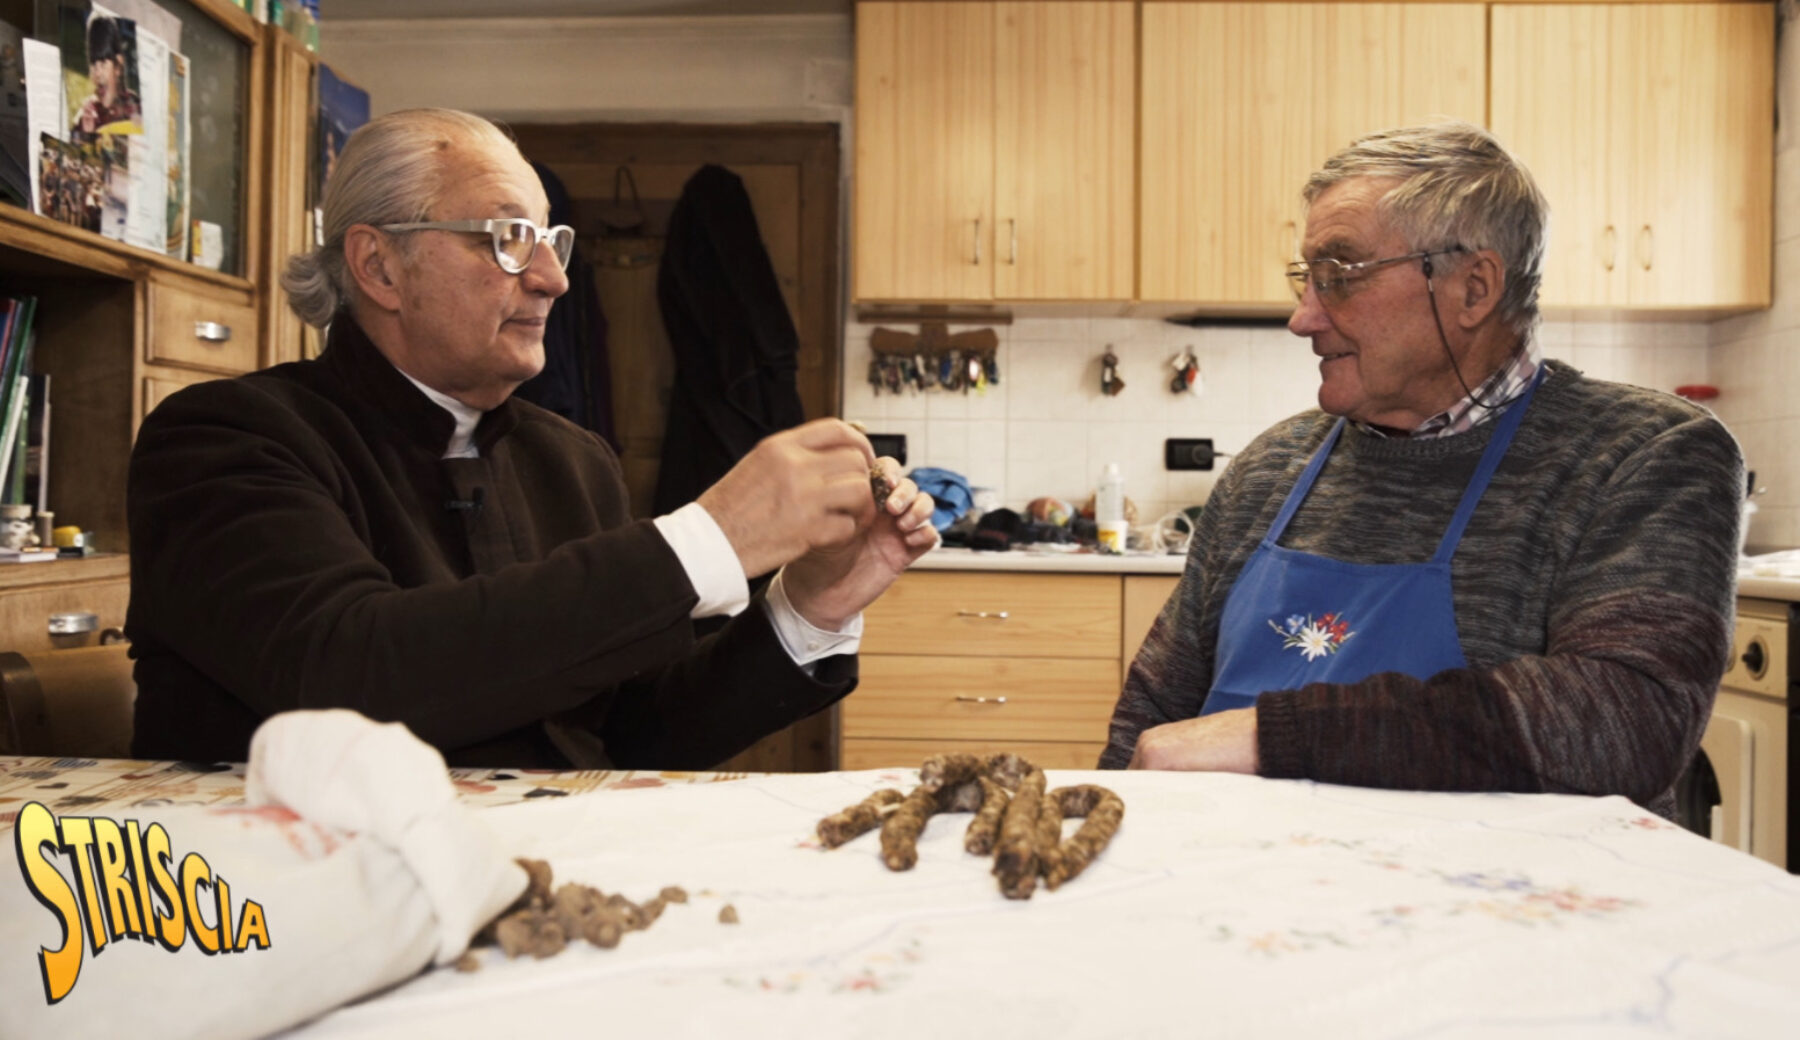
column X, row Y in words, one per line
column 1109, row 509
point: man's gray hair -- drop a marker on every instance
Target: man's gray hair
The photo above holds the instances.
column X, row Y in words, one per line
column 390, row 172
column 1458, row 187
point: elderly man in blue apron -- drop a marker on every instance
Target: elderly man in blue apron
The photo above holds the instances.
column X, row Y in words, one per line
column 1471, row 568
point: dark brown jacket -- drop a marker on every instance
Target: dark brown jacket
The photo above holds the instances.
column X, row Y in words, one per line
column 297, row 541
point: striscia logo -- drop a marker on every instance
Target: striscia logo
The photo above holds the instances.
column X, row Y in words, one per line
column 127, row 883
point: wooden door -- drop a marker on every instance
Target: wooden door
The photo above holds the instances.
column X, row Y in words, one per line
column 1698, row 98
column 1559, row 104
column 923, row 223
column 1243, row 101
column 790, row 172
column 1064, row 143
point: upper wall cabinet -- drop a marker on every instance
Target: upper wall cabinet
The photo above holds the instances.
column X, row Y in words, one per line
column 1650, row 128
column 1242, row 101
column 994, row 151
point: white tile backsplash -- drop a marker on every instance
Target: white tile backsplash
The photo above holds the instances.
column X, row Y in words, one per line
column 1046, row 429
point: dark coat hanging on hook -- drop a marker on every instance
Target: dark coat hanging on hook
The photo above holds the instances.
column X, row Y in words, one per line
column 736, row 349
column 576, row 382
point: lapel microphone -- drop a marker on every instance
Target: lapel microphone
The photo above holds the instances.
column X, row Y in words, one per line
column 470, row 505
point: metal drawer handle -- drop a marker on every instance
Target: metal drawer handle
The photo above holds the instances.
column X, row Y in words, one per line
column 73, row 623
column 993, row 615
column 212, row 331
column 981, row 700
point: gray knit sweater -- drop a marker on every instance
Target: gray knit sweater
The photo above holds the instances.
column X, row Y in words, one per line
column 1593, row 589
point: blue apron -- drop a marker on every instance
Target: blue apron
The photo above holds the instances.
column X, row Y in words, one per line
column 1293, row 618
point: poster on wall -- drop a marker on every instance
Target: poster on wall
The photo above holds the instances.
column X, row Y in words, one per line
column 342, row 108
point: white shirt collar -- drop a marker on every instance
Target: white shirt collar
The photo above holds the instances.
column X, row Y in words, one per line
column 462, row 440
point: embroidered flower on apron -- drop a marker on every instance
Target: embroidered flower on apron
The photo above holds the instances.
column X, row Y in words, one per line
column 1314, row 639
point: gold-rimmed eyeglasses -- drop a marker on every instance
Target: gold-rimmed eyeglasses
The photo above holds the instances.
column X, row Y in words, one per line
column 1331, row 278
column 515, row 238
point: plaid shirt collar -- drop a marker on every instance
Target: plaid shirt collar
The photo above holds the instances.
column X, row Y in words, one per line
column 1503, row 388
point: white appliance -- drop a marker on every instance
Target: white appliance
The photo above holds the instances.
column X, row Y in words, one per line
column 1746, row 741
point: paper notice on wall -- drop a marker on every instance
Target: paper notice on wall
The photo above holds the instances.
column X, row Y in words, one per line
column 43, row 106
column 147, row 223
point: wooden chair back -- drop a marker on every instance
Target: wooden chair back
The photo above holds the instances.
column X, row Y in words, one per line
column 67, row 703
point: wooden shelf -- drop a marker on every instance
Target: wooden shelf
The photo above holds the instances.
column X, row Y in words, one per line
column 98, row 567
column 40, row 246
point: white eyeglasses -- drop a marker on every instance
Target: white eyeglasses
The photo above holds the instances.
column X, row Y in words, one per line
column 515, row 238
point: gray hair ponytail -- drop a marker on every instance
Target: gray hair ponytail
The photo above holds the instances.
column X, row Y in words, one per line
column 390, row 172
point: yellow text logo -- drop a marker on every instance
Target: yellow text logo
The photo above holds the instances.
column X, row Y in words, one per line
column 127, row 885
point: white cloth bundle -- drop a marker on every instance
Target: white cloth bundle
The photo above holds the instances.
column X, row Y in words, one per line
column 354, row 868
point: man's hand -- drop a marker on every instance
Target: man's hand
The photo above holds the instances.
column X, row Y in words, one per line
column 833, row 583
column 796, row 490
column 1222, row 742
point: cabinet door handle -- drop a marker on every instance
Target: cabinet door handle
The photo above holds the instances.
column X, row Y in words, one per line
column 977, row 241
column 1609, row 249
column 980, row 700
column 212, row 331
column 1646, row 246
column 991, row 615
column 1012, row 256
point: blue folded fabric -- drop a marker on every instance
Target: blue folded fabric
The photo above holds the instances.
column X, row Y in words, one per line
column 947, row 488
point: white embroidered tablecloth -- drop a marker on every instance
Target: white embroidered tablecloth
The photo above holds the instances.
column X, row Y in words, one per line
column 1226, row 906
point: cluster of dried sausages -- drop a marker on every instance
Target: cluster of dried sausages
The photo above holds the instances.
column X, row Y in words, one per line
column 1016, row 819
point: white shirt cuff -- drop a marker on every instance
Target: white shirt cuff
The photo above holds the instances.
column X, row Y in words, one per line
column 803, row 641
column 706, row 555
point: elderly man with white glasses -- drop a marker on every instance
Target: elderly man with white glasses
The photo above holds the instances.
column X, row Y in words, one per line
column 386, row 529
column 1469, row 568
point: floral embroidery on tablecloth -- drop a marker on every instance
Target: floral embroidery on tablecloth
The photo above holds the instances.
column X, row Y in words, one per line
column 1314, row 638
column 1499, row 896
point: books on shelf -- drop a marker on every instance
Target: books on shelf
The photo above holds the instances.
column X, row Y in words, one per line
column 16, row 343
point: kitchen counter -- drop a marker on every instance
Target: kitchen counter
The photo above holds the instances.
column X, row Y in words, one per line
column 1050, row 561
column 1771, row 576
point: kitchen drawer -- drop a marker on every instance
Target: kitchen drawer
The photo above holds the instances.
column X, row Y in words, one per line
column 870, row 753
column 995, row 615
column 959, row 698
column 160, row 383
column 25, row 612
column 202, row 326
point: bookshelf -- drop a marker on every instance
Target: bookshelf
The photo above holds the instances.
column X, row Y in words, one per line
column 120, row 327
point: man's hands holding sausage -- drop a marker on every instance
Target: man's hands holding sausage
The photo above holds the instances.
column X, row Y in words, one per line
column 802, row 498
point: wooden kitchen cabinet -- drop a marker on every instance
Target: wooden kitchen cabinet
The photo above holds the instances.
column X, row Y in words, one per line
column 994, row 151
column 1650, row 128
column 1243, row 101
column 983, row 662
column 291, row 118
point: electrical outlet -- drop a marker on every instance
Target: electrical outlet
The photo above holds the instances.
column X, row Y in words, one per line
column 889, row 445
column 1188, row 453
